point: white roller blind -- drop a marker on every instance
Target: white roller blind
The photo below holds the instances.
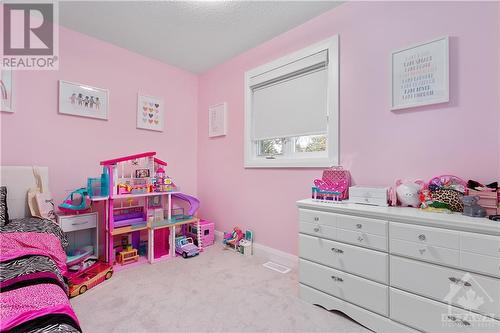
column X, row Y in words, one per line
column 292, row 105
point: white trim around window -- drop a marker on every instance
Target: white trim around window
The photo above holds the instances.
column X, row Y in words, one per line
column 290, row 159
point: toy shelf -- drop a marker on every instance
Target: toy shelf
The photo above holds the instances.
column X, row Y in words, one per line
column 138, row 195
column 128, row 229
column 172, row 223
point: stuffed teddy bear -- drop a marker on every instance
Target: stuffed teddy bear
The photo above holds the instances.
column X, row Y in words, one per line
column 471, row 207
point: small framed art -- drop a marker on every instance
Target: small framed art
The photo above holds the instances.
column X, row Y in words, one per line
column 150, row 113
column 78, row 99
column 6, row 91
column 217, row 120
column 420, row 75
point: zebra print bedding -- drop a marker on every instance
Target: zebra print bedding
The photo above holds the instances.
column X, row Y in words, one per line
column 33, row 291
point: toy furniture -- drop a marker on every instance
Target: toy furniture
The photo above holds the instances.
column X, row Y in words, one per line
column 127, row 256
column 83, row 235
column 207, row 232
column 232, row 239
column 395, row 269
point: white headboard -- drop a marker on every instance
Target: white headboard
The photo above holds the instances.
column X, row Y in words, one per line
column 19, row 179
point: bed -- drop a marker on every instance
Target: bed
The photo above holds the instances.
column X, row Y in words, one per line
column 33, row 291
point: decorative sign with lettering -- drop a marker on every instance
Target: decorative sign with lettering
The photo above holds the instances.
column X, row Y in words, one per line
column 420, row 75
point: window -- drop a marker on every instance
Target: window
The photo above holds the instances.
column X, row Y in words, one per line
column 291, row 109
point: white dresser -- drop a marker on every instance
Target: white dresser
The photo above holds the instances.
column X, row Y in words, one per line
column 398, row 269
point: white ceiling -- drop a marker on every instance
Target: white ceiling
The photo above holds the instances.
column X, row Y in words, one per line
column 192, row 35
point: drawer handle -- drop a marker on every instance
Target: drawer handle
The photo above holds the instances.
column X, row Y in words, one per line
column 359, row 226
column 316, row 228
column 421, row 237
column 316, row 218
column 335, row 278
column 459, row 281
column 360, row 239
column 80, row 223
column 337, row 250
column 421, row 251
column 459, row 321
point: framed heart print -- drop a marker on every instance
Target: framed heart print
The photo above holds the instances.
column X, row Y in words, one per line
column 150, row 115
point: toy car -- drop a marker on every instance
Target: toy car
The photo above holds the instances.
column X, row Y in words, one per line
column 185, row 247
column 88, row 278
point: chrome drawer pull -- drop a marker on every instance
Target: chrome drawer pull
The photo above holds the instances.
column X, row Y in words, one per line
column 459, row 281
column 337, row 250
column 465, row 322
column 360, row 238
column 421, row 251
column 458, row 321
column 316, row 218
column 316, row 229
column 359, row 226
column 334, row 278
column 80, row 223
column 421, row 237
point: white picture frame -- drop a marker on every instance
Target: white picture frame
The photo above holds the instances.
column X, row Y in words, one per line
column 217, row 120
column 150, row 113
column 6, row 91
column 420, row 75
column 82, row 100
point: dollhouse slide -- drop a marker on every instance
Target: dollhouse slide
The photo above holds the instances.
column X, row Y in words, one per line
column 193, row 202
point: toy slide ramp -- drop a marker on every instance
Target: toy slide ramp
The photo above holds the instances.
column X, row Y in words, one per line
column 193, row 202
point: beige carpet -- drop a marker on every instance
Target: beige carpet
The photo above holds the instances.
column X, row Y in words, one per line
column 218, row 291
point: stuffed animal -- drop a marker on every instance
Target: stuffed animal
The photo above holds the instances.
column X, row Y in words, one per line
column 408, row 193
column 471, row 207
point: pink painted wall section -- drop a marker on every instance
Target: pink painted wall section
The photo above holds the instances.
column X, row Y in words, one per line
column 376, row 145
column 73, row 146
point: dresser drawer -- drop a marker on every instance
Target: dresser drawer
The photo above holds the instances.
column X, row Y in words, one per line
column 425, row 235
column 371, row 226
column 425, row 252
column 352, row 259
column 362, row 239
column 431, row 316
column 317, row 217
column 446, row 285
column 368, row 294
column 480, row 263
column 480, row 244
column 77, row 222
column 317, row 229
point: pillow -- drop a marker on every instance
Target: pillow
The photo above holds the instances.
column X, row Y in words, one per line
column 4, row 214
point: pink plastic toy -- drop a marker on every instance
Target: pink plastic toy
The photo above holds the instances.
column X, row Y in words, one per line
column 207, row 229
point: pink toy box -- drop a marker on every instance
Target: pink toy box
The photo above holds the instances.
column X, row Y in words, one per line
column 207, row 232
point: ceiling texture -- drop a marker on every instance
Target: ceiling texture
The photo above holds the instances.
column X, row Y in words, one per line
column 192, row 35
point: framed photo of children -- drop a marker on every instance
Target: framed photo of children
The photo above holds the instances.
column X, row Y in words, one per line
column 420, row 75
column 150, row 113
column 82, row 100
column 6, row 91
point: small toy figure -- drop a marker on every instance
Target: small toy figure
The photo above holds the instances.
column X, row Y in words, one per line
column 471, row 207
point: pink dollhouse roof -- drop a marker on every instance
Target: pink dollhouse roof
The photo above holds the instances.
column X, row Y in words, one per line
column 157, row 160
column 128, row 158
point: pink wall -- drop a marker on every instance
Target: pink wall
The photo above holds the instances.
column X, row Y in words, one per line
column 377, row 145
column 72, row 146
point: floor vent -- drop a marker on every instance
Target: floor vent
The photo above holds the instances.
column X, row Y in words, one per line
column 276, row 267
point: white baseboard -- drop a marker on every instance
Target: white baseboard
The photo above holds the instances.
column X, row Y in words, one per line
column 268, row 253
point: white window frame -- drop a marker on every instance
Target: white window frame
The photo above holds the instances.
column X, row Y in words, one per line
column 252, row 160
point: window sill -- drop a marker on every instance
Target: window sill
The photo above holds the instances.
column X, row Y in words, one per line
column 289, row 163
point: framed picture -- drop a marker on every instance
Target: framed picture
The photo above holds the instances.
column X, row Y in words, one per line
column 6, row 91
column 217, row 120
column 420, row 75
column 81, row 100
column 150, row 113
column 141, row 173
